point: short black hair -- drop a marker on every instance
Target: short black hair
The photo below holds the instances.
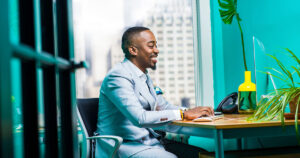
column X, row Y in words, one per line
column 128, row 36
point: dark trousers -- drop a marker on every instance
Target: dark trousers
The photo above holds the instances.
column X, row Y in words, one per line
column 182, row 150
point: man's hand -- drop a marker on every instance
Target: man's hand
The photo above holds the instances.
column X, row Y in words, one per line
column 198, row 111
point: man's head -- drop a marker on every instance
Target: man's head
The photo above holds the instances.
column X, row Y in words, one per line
column 139, row 46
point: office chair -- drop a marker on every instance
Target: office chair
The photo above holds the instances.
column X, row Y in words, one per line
column 87, row 111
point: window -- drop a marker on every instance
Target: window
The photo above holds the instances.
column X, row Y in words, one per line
column 38, row 80
column 179, row 38
column 190, row 44
column 180, row 45
column 170, row 45
column 189, row 38
column 180, row 51
column 189, row 31
column 191, row 91
column 171, row 72
column 170, row 38
column 169, row 32
column 190, row 78
column 190, row 65
column 164, row 15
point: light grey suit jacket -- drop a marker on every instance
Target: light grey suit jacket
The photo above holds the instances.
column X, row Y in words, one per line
column 127, row 108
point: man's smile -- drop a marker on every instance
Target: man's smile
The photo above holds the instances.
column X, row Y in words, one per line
column 153, row 58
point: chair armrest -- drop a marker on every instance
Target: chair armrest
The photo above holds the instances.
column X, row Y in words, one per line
column 118, row 141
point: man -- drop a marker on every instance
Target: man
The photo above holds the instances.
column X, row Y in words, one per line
column 128, row 105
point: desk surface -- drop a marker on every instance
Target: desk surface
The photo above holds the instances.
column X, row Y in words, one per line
column 232, row 121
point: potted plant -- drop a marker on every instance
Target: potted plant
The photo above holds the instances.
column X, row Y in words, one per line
column 274, row 106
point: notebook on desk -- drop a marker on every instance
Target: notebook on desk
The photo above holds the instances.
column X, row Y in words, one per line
column 208, row 118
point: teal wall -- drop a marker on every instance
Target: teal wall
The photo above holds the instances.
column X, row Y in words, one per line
column 276, row 23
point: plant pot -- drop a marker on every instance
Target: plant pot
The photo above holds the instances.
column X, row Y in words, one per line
column 293, row 106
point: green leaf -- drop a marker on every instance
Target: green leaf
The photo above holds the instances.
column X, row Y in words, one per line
column 283, row 68
column 228, row 20
column 296, row 70
column 227, row 11
column 293, row 56
column 284, row 79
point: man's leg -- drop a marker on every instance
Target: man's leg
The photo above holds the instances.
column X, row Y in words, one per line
column 182, row 150
column 154, row 153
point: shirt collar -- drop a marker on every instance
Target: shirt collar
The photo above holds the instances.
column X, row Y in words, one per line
column 136, row 70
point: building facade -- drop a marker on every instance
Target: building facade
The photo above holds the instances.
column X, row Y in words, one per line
column 172, row 25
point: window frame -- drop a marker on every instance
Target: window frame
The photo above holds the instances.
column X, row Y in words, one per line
column 203, row 63
column 21, row 41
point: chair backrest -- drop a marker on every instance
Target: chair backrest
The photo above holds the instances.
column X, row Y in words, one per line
column 88, row 110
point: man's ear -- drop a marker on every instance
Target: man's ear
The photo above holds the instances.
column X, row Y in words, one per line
column 133, row 50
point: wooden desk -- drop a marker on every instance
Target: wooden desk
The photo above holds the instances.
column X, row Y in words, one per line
column 234, row 126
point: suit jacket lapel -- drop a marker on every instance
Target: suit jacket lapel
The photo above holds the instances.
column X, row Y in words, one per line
column 144, row 91
column 151, row 87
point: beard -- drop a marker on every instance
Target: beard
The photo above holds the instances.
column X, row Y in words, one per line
column 153, row 67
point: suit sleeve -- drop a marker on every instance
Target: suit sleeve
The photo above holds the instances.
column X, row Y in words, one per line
column 163, row 104
column 120, row 91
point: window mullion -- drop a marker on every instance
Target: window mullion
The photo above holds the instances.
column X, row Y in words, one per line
column 197, row 53
column 26, row 52
column 203, row 53
column 66, row 97
column 6, row 125
column 39, row 73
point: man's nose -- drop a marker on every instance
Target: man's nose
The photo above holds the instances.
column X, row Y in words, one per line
column 156, row 51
